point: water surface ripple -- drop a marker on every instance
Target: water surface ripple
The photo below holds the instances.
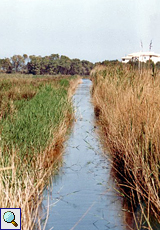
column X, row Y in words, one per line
column 83, row 196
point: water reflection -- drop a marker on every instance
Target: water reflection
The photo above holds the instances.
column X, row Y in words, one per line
column 82, row 193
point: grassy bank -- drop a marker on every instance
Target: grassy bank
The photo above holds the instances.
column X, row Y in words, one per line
column 35, row 116
column 127, row 104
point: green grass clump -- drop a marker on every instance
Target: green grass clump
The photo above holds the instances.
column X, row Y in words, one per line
column 31, row 129
column 64, row 82
column 31, row 111
column 13, row 90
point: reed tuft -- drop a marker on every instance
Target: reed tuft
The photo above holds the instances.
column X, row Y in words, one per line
column 127, row 103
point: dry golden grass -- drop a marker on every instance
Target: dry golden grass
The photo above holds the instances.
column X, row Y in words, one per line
column 127, row 104
column 26, row 193
column 73, row 85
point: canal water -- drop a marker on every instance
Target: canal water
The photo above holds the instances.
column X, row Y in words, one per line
column 82, row 195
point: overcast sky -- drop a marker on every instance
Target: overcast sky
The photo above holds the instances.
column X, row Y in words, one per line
column 93, row 30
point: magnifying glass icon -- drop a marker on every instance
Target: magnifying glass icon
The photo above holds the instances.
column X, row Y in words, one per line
column 9, row 217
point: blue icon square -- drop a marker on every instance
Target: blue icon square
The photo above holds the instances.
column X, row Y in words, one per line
column 10, row 219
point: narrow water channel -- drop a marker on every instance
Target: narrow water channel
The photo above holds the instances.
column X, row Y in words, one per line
column 83, row 195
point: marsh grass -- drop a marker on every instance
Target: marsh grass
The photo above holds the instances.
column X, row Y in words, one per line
column 127, row 105
column 32, row 135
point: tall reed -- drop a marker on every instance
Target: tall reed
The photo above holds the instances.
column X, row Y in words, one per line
column 127, row 104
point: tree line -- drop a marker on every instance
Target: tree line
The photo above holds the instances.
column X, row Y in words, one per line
column 52, row 65
column 56, row 64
